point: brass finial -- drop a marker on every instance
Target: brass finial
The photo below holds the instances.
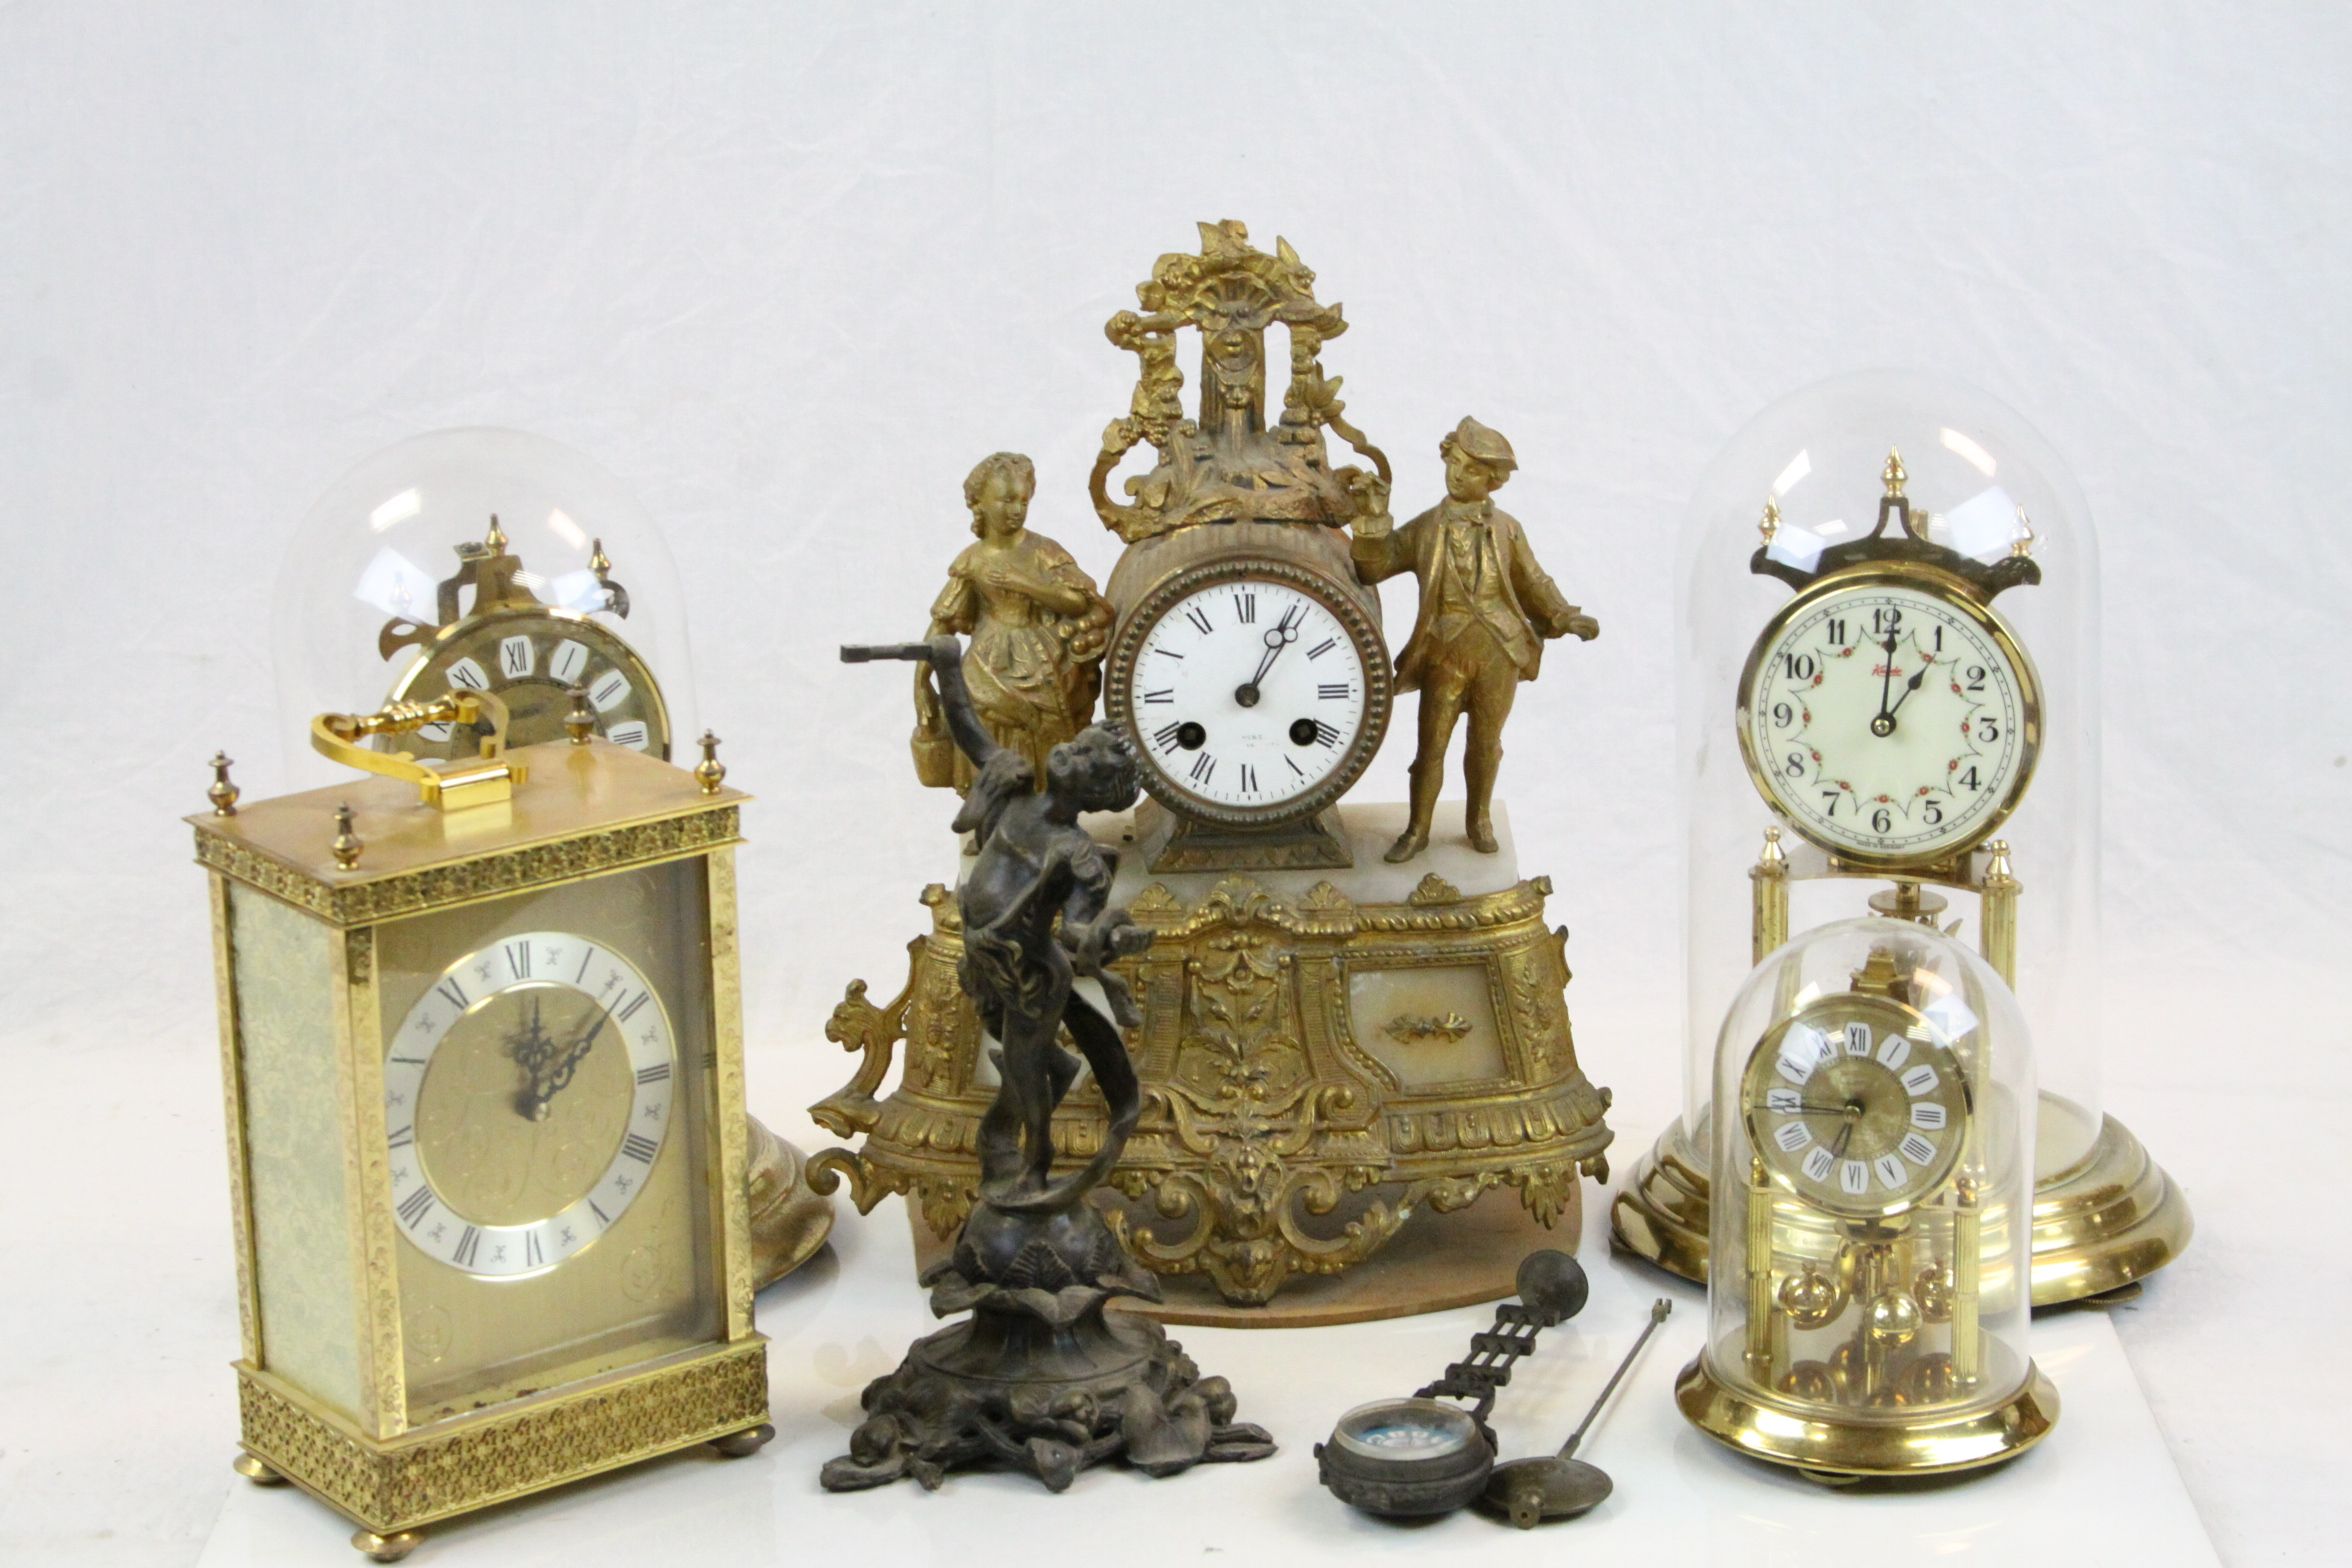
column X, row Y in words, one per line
column 710, row 771
column 1997, row 866
column 1773, row 854
column 1893, row 475
column 496, row 537
column 347, row 845
column 598, row 561
column 580, row 722
column 2023, row 544
column 1769, row 525
column 222, row 793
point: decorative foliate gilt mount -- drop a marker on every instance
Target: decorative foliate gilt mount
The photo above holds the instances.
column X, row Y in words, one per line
column 1226, row 464
column 1907, row 542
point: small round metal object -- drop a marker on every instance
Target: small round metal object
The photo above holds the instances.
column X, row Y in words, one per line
column 1404, row 1458
column 1554, row 1284
column 1532, row 1491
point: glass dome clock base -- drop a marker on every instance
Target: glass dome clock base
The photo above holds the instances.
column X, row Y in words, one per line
column 2100, row 1226
column 1837, row 1453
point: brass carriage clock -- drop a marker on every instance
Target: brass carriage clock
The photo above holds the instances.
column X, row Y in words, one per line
column 1892, row 719
column 1331, row 1043
column 483, row 1068
column 1867, row 1282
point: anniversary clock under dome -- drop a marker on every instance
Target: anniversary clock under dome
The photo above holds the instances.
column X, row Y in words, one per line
column 1888, row 698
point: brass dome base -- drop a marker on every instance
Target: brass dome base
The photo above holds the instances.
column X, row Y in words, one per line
column 2106, row 1223
column 1837, row 1452
column 788, row 1221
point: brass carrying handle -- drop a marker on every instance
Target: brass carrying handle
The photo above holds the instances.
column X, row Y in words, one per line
column 492, row 776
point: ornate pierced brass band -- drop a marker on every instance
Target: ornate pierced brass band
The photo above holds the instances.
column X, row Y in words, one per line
column 1288, row 1131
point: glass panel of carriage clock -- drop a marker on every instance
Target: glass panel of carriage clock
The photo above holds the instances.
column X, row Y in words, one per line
column 1980, row 480
column 1881, row 1144
column 396, row 587
column 548, row 1101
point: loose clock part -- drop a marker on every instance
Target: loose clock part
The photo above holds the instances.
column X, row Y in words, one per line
column 491, row 632
column 1562, row 1486
column 1420, row 1456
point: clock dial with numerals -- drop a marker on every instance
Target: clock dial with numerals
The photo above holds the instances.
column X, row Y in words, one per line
column 531, row 656
column 1256, row 694
column 1857, row 1105
column 1890, row 723
column 526, row 1101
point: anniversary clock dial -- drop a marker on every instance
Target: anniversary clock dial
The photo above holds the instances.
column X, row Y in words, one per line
column 526, row 1100
column 532, row 656
column 1857, row 1106
column 1889, row 722
column 1255, row 693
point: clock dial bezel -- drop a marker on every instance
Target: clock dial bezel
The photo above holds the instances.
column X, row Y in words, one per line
column 1922, row 1044
column 489, row 628
column 526, row 1249
column 1952, row 594
column 1363, row 633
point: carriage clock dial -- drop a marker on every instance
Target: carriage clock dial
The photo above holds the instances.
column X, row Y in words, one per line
column 1856, row 1105
column 1256, row 692
column 528, row 652
column 1890, row 723
column 526, row 1099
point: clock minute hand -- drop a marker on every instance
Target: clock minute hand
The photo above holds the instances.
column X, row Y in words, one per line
column 541, row 1098
column 1281, row 636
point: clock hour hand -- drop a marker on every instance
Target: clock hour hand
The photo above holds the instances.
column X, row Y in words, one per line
column 531, row 1046
column 538, row 1101
column 1909, row 687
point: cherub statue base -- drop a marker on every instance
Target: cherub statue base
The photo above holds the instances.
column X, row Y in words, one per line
column 1040, row 1377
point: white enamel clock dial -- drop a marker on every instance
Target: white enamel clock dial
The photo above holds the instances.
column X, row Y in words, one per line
column 531, row 658
column 1856, row 1106
column 1887, row 722
column 1252, row 697
column 526, row 1098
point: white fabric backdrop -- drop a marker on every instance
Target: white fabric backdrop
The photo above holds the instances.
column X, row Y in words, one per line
column 788, row 270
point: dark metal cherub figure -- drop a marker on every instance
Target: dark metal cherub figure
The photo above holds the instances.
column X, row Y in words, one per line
column 1039, row 1377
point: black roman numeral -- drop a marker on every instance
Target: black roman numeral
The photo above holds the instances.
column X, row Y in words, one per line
column 414, row 1207
column 1336, row 693
column 654, row 1074
column 469, row 1244
column 634, row 1003
column 402, row 1137
column 1203, row 766
column 640, row 1148
column 517, row 657
column 582, row 976
column 1325, row 734
column 609, row 688
column 1295, row 768
column 1164, row 694
column 1323, row 647
column 532, row 1256
column 600, row 1214
column 518, row 959
column 452, row 993
column 1200, row 618
column 1167, row 736
column 1249, row 777
column 1245, row 605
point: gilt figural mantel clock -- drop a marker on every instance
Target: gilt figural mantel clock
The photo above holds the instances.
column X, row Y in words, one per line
column 1348, row 1017
column 482, row 1059
column 1889, row 702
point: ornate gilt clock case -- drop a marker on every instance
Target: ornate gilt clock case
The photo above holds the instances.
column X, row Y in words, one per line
column 483, row 1075
column 1331, row 1045
column 1888, row 697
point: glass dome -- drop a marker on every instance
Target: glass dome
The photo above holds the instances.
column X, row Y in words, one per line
column 481, row 558
column 1869, row 1275
column 1914, row 506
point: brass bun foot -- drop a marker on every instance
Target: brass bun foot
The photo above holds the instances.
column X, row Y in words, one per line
column 2098, row 1228
column 1838, row 1453
column 255, row 1471
column 740, row 1445
column 788, row 1221
column 385, row 1548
